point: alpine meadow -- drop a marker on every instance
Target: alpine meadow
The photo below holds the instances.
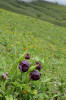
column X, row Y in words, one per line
column 32, row 50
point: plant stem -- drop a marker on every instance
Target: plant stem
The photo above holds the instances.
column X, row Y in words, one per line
column 21, row 75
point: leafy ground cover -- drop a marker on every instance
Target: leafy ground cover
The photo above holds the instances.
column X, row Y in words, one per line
column 45, row 42
column 43, row 10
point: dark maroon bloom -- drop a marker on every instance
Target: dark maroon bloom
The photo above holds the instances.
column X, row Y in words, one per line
column 27, row 56
column 38, row 65
column 24, row 66
column 4, row 75
column 35, row 75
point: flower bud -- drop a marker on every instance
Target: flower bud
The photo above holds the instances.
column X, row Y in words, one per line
column 38, row 65
column 35, row 75
column 27, row 56
column 24, row 66
column 4, row 75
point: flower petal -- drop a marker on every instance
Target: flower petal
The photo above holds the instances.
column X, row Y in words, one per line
column 35, row 75
column 24, row 66
column 38, row 65
column 27, row 56
column 25, row 62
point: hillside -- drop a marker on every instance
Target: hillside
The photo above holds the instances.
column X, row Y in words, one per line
column 44, row 41
column 46, row 11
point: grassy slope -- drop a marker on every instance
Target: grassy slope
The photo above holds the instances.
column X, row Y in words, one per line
column 19, row 32
column 43, row 10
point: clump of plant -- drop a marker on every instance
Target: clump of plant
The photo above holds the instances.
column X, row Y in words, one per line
column 18, row 82
column 24, row 66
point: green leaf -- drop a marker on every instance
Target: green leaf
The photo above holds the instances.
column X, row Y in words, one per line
column 37, row 58
column 34, row 92
column 21, row 58
column 47, row 80
column 2, row 86
column 0, row 95
column 1, row 73
column 56, row 96
column 28, row 89
column 25, row 77
column 14, row 68
column 9, row 91
column 18, row 85
column 42, row 61
column 32, row 68
column 43, row 96
column 9, row 97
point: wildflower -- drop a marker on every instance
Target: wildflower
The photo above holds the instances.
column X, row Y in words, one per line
column 11, row 45
column 24, row 66
column 7, row 27
column 4, row 76
column 24, row 41
column 38, row 65
column 35, row 40
column 18, row 42
column 29, row 43
column 27, row 56
column 32, row 46
column 25, row 48
column 35, row 75
column 25, row 92
column 46, row 57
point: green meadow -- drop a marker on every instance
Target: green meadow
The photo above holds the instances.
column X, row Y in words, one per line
column 20, row 34
column 42, row 10
column 45, row 42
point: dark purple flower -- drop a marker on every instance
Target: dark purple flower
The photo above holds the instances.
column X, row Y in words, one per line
column 4, row 75
column 35, row 75
column 24, row 66
column 27, row 56
column 38, row 65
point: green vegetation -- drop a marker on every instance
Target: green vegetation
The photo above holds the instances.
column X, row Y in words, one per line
column 49, row 12
column 44, row 41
